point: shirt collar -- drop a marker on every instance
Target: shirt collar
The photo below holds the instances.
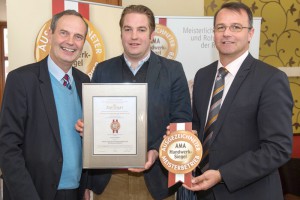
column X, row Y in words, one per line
column 140, row 63
column 235, row 65
column 56, row 71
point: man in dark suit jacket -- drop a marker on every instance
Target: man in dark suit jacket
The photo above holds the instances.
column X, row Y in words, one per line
column 38, row 141
column 252, row 135
column 168, row 94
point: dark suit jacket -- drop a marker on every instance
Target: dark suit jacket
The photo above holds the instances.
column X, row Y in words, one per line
column 253, row 135
column 30, row 147
column 168, row 101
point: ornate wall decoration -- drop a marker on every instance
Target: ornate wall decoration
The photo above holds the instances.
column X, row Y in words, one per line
column 279, row 38
column 296, row 110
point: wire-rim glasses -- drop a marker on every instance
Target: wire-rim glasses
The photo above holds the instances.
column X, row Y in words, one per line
column 232, row 28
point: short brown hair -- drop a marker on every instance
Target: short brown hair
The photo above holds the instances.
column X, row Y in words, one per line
column 141, row 10
column 236, row 6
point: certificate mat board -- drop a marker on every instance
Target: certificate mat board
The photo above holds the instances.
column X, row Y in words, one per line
column 115, row 125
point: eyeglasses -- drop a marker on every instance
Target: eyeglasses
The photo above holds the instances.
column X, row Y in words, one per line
column 232, row 28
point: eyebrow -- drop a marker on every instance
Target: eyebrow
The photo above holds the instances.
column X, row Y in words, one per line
column 71, row 33
column 230, row 24
column 126, row 26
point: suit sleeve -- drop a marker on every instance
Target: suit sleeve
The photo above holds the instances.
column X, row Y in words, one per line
column 12, row 127
column 274, row 130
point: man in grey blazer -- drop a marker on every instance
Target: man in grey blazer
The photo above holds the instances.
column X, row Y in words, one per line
column 40, row 150
column 252, row 135
column 168, row 94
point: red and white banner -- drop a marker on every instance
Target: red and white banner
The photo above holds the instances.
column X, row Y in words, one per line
column 61, row 5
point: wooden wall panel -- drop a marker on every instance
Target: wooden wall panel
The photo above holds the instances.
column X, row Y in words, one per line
column 126, row 185
column 112, row 2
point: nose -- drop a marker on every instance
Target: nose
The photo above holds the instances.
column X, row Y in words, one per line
column 134, row 34
column 70, row 40
column 227, row 32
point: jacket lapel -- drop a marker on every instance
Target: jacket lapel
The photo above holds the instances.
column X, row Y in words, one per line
column 48, row 99
column 153, row 70
column 117, row 71
column 237, row 82
column 207, row 88
column 78, row 83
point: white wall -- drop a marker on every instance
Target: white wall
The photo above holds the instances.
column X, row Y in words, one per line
column 26, row 18
column 171, row 7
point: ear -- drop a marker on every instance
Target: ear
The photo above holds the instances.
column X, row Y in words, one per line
column 152, row 36
column 250, row 34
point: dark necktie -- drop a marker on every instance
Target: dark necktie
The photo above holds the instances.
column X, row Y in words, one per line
column 215, row 107
column 66, row 82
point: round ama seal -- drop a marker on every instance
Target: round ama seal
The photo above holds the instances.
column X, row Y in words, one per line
column 164, row 42
column 180, row 152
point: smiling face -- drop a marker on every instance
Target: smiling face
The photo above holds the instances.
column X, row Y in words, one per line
column 136, row 36
column 67, row 41
column 230, row 44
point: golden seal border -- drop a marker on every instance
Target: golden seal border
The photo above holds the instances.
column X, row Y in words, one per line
column 181, row 137
column 164, row 32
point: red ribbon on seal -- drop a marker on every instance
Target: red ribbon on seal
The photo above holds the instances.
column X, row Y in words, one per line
column 184, row 178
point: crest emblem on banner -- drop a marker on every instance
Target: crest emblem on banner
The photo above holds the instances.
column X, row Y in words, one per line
column 115, row 125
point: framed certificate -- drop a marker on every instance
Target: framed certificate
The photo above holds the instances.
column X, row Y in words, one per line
column 115, row 125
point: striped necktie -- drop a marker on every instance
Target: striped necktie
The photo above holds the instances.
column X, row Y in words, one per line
column 66, row 81
column 215, row 107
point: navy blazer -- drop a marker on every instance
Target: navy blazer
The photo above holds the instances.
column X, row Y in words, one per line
column 168, row 101
column 30, row 146
column 253, row 135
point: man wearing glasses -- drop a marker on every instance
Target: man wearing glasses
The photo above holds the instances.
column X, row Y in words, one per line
column 242, row 111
